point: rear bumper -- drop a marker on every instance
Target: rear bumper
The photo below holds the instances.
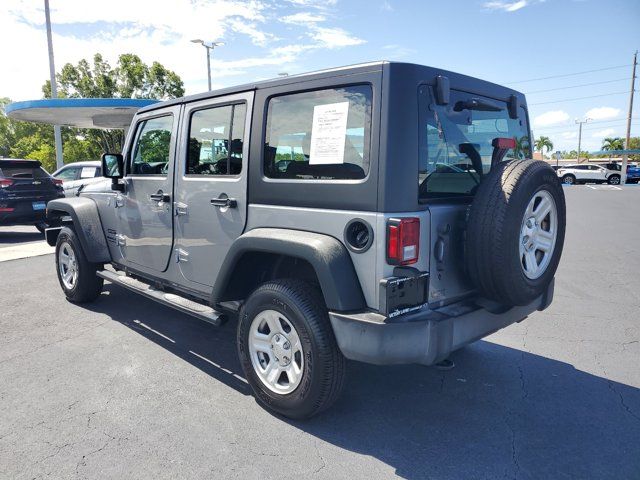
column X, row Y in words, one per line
column 20, row 211
column 427, row 336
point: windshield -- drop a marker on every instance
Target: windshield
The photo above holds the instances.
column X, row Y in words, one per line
column 456, row 141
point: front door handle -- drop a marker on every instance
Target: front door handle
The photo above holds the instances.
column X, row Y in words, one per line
column 160, row 196
column 224, row 202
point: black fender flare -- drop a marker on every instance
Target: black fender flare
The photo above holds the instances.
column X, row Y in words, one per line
column 86, row 221
column 327, row 255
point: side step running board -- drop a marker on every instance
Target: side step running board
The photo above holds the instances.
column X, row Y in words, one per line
column 198, row 310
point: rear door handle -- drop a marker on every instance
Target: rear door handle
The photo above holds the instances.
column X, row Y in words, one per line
column 160, row 196
column 224, row 202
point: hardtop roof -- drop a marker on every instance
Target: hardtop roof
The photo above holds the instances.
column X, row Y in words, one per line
column 457, row 81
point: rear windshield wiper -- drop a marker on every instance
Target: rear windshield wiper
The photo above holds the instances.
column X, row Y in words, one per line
column 476, row 104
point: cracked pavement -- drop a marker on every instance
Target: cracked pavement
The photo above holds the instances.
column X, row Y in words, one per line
column 125, row 388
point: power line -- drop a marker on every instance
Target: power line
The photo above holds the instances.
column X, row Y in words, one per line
column 564, row 127
column 577, row 86
column 579, row 98
column 569, row 74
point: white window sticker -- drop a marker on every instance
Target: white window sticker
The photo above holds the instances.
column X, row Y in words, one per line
column 88, row 172
column 328, row 133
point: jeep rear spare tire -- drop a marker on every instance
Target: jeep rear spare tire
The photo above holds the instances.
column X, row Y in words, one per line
column 515, row 231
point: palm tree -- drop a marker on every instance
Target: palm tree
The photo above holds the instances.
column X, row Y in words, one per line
column 542, row 143
column 610, row 143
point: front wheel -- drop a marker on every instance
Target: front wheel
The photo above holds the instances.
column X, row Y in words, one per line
column 569, row 180
column 77, row 276
column 614, row 180
column 287, row 349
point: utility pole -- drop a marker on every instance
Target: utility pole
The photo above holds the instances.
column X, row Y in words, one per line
column 54, row 87
column 625, row 157
column 580, row 122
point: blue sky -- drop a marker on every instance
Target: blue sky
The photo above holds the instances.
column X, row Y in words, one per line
column 502, row 41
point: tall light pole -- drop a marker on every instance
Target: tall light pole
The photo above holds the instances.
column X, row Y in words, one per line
column 54, row 87
column 586, row 120
column 208, row 46
column 625, row 157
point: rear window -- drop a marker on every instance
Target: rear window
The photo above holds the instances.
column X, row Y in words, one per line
column 321, row 135
column 23, row 172
column 456, row 141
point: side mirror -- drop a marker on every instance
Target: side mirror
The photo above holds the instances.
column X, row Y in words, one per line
column 113, row 168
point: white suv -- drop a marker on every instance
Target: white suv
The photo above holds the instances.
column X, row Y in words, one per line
column 76, row 175
column 573, row 174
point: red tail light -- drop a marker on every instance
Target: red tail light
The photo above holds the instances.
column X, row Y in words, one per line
column 57, row 181
column 403, row 240
column 5, row 182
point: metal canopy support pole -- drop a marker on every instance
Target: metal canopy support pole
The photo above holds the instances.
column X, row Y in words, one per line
column 54, row 88
column 627, row 146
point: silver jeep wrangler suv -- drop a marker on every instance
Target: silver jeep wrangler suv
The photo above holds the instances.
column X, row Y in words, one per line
column 385, row 212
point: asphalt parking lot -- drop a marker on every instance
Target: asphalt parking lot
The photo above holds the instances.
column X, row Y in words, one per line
column 125, row 388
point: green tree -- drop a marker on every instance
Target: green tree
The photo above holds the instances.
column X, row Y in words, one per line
column 611, row 143
column 542, row 143
column 130, row 78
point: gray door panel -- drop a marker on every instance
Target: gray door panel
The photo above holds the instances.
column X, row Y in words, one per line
column 145, row 224
column 204, row 232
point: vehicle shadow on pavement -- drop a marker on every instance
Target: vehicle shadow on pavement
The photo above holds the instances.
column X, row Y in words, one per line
column 211, row 349
column 20, row 237
column 500, row 413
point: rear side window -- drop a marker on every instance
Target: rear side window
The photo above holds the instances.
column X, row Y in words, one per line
column 151, row 152
column 322, row 135
column 215, row 141
column 456, row 141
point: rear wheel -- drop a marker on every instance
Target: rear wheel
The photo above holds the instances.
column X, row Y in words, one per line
column 287, row 349
column 569, row 180
column 77, row 276
column 614, row 180
column 516, row 231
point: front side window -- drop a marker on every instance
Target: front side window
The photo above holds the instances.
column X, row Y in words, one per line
column 152, row 150
column 68, row 174
column 323, row 134
column 456, row 141
column 216, row 140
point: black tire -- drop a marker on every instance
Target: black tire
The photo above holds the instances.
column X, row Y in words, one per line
column 614, row 180
column 41, row 227
column 88, row 285
column 323, row 371
column 569, row 179
column 493, row 232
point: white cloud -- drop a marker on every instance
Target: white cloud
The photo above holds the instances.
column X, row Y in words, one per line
column 386, row 6
column 303, row 18
column 163, row 34
column 607, row 132
column 569, row 135
column 335, row 37
column 553, row 117
column 321, row 4
column 506, row 6
column 602, row 113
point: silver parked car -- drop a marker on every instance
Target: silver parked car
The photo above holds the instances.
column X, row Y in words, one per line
column 75, row 176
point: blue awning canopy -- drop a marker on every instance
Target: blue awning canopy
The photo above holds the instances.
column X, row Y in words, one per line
column 615, row 152
column 79, row 112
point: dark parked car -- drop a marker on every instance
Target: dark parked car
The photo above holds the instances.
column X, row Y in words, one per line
column 25, row 189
